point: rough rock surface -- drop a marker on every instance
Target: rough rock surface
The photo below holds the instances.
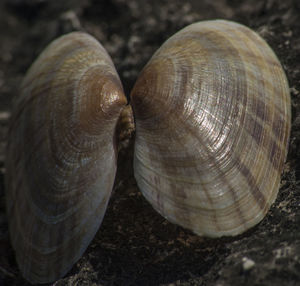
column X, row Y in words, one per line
column 135, row 245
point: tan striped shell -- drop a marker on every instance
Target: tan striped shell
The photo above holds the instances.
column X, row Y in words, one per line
column 61, row 155
column 212, row 111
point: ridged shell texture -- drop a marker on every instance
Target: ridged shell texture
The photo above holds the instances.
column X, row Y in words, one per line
column 61, row 156
column 212, row 112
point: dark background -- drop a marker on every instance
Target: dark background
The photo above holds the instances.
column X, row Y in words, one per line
column 135, row 245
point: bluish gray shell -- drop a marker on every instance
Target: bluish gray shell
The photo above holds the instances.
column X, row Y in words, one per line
column 61, row 155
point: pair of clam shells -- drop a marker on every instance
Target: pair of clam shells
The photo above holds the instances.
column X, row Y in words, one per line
column 212, row 116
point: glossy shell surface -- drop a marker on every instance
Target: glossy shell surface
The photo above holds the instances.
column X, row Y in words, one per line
column 61, row 155
column 212, row 112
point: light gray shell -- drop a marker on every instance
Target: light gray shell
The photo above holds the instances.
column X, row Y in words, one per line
column 212, row 112
column 61, row 155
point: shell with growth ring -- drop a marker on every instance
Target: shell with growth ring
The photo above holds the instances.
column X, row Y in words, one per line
column 212, row 113
column 61, row 155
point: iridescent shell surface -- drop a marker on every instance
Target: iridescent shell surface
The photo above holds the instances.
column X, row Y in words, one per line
column 212, row 112
column 61, row 155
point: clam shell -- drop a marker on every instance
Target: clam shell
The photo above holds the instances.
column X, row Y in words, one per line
column 212, row 111
column 61, row 155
